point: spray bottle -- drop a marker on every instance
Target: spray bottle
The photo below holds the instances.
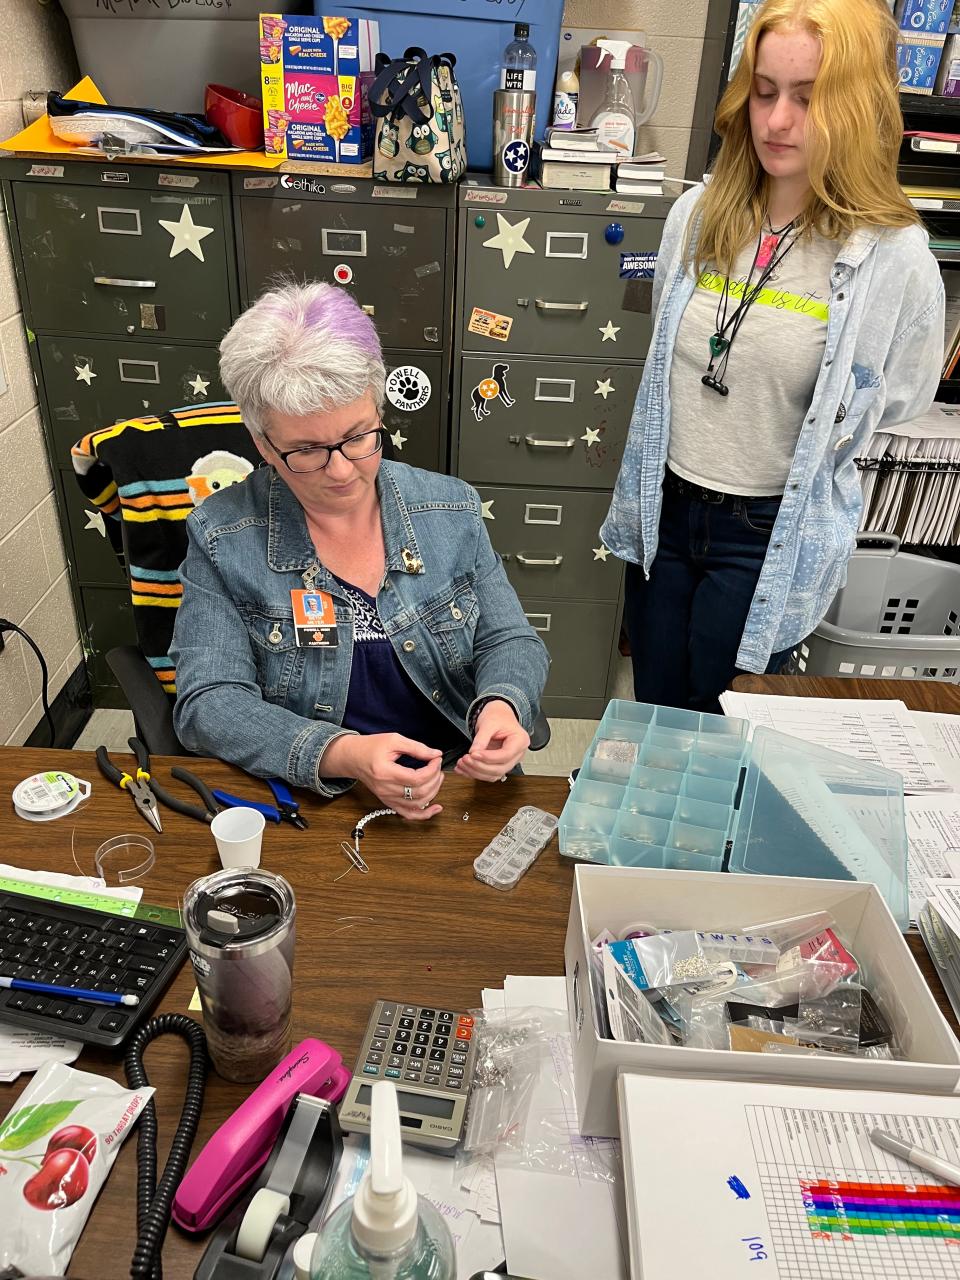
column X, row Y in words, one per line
column 387, row 1231
column 616, row 118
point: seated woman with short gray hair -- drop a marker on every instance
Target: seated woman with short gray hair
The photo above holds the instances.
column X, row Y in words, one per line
column 344, row 617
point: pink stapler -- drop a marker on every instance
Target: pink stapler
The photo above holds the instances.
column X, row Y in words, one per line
column 242, row 1144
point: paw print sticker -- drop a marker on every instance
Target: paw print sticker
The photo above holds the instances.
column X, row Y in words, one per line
column 408, row 388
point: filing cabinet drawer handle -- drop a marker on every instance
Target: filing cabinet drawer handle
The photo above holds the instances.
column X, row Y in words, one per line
column 543, row 305
column 118, row 283
column 538, row 442
column 554, row 563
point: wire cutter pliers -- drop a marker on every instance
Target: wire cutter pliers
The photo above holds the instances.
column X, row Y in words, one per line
column 285, row 809
column 136, row 785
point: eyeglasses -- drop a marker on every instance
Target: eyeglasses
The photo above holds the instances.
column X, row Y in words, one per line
column 314, row 457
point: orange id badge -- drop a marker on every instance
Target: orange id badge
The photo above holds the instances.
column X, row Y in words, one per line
column 314, row 619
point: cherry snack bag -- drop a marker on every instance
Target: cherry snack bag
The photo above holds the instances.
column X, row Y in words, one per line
column 57, row 1146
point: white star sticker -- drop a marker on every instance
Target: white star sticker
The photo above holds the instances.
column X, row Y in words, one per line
column 95, row 521
column 486, row 509
column 604, row 388
column 610, row 331
column 84, row 373
column 199, row 385
column 399, row 440
column 591, row 436
column 601, row 553
column 509, row 239
column 186, row 234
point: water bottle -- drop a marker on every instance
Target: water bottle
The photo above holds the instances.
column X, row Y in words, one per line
column 387, row 1231
column 518, row 66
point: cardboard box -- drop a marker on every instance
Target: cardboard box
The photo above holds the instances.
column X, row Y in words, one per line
column 930, row 17
column 315, row 76
column 613, row 897
column 918, row 60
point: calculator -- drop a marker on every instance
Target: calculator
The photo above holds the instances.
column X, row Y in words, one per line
column 429, row 1054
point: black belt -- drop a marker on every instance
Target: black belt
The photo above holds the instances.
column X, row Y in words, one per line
column 672, row 483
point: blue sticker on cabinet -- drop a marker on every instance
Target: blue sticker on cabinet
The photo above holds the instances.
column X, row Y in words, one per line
column 637, row 266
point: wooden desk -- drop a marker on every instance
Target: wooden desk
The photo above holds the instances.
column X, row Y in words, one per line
column 438, row 932
column 435, row 934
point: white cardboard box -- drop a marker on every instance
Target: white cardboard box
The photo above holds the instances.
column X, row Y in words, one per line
column 613, row 897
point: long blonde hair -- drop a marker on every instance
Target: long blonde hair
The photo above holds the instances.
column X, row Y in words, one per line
column 853, row 132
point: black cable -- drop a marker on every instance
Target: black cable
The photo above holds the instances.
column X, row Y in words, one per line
column 154, row 1202
column 7, row 625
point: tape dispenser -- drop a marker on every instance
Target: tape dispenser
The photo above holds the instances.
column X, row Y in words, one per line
column 302, row 1088
column 287, row 1201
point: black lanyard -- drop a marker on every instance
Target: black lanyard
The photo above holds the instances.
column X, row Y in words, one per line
column 727, row 329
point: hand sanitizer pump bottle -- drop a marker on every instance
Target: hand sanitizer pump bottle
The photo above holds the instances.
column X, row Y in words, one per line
column 387, row 1231
column 616, row 118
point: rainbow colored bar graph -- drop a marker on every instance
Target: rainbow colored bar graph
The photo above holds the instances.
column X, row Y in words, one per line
column 925, row 1212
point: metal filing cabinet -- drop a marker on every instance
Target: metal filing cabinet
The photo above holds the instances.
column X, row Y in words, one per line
column 128, row 280
column 130, row 275
column 393, row 248
column 551, row 337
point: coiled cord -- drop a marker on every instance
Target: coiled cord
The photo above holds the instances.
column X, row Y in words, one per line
column 154, row 1203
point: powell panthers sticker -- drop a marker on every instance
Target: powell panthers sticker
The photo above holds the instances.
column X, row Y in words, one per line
column 408, row 388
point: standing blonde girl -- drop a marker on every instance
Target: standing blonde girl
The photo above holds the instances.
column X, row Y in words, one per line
column 798, row 308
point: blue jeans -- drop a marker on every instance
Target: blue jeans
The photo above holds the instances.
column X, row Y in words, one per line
column 685, row 623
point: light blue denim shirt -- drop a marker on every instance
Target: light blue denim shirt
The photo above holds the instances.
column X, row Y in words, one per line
column 881, row 364
column 249, row 695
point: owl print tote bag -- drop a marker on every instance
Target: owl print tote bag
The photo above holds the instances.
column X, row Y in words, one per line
column 420, row 135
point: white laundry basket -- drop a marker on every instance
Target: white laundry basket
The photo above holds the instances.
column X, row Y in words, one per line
column 897, row 617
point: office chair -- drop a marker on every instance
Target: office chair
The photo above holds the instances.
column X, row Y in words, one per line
column 134, row 472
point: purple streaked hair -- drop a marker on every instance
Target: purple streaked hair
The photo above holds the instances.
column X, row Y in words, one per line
column 301, row 349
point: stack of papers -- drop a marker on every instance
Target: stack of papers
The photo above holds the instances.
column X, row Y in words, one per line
column 880, row 731
column 564, row 1227
column 911, row 475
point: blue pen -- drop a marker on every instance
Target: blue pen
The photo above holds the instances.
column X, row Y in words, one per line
column 72, row 993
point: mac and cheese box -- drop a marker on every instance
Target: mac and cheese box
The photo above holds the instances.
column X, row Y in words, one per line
column 315, row 75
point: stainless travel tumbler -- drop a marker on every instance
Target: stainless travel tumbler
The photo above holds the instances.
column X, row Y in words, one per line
column 513, row 116
column 240, row 926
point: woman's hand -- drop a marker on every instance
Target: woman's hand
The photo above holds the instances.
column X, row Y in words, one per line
column 498, row 744
column 372, row 758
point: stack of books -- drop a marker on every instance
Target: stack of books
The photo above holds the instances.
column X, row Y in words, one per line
column 570, row 159
column 933, row 198
column 641, row 175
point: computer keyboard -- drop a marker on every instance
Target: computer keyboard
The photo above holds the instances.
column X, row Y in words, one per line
column 69, row 946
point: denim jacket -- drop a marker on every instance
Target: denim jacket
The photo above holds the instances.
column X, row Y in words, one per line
column 248, row 694
column 881, row 365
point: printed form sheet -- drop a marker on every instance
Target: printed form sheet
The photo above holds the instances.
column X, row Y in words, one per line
column 788, row 1184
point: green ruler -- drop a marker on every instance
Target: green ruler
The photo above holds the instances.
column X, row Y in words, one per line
column 93, row 901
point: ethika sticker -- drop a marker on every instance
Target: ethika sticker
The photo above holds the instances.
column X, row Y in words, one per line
column 492, row 388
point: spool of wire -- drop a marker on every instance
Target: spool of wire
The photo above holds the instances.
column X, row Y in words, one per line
column 44, row 797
